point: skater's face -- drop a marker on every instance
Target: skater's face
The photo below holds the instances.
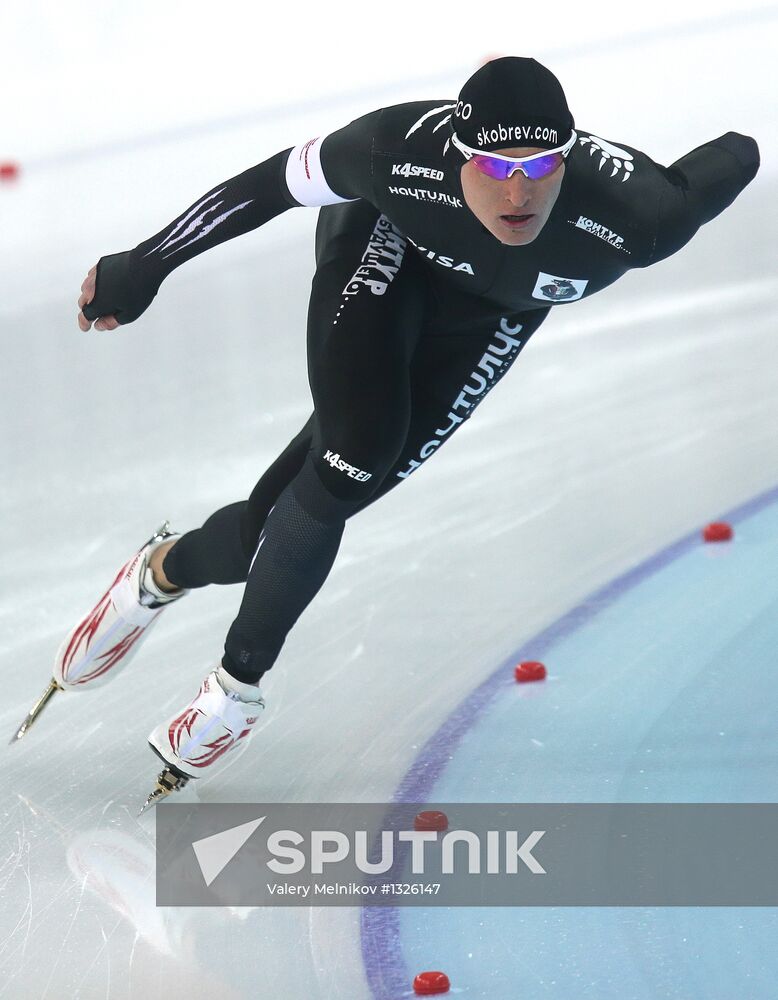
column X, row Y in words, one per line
column 513, row 210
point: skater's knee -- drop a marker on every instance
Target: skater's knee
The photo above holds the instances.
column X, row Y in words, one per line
column 322, row 495
column 354, row 473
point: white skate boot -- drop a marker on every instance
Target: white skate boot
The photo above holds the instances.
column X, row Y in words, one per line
column 209, row 733
column 109, row 636
column 106, row 639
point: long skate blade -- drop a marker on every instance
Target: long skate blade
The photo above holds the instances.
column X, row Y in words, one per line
column 168, row 781
column 35, row 711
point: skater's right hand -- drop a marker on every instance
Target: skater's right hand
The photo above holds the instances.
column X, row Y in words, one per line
column 114, row 293
column 86, row 296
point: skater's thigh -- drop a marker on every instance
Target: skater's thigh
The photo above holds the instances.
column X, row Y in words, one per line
column 468, row 348
column 367, row 311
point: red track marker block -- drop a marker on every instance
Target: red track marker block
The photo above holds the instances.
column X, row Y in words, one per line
column 430, row 819
column 427, row 983
column 717, row 531
column 9, row 171
column 529, row 670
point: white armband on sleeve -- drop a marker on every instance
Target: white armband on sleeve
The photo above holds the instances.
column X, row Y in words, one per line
column 305, row 177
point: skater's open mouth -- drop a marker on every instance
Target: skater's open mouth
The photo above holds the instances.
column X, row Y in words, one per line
column 517, row 221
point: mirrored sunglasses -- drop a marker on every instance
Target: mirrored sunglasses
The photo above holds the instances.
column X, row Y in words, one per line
column 535, row 167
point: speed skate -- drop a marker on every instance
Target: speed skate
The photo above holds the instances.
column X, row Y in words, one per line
column 210, row 732
column 109, row 636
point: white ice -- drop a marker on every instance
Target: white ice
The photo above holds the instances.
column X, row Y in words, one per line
column 630, row 419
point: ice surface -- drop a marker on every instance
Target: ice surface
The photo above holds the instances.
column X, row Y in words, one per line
column 630, row 420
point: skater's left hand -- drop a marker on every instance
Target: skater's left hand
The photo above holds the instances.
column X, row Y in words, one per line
column 87, row 294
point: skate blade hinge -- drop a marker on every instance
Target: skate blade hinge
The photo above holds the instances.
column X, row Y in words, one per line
column 36, row 710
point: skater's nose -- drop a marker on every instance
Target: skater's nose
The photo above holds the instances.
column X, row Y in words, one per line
column 518, row 190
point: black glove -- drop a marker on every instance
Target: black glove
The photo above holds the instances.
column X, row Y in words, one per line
column 744, row 148
column 117, row 291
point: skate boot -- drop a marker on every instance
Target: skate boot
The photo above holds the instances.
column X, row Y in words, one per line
column 106, row 639
column 209, row 733
column 109, row 636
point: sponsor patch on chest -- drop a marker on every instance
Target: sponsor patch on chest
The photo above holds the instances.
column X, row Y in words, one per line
column 422, row 194
column 552, row 288
column 442, row 259
column 413, row 170
column 599, row 230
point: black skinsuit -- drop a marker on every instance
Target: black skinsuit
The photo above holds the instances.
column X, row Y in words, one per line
column 416, row 312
